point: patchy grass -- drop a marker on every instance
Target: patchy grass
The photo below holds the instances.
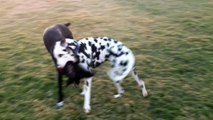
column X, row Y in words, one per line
column 172, row 41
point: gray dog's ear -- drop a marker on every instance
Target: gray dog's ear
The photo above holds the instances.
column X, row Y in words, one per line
column 63, row 42
column 67, row 24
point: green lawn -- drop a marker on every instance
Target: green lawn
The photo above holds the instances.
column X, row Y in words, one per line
column 171, row 39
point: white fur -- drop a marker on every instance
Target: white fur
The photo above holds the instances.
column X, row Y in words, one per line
column 87, row 94
column 60, row 104
column 117, row 73
column 62, row 60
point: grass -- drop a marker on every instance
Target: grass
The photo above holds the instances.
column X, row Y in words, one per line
column 172, row 41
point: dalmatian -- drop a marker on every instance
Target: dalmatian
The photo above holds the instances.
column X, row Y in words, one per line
column 89, row 53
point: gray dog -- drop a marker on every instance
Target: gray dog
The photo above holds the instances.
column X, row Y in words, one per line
column 52, row 35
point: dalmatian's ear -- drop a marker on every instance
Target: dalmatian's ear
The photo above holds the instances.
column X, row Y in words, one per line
column 64, row 43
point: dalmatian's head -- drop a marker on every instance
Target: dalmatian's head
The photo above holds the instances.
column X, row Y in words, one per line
column 64, row 53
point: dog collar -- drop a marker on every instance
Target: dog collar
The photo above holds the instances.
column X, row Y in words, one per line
column 77, row 48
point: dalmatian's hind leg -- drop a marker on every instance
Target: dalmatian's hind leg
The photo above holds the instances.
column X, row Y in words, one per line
column 120, row 89
column 117, row 78
column 140, row 82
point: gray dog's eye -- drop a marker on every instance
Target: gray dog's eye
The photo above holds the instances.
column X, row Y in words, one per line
column 60, row 55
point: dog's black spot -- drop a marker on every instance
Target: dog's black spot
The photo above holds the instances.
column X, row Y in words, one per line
column 113, row 63
column 83, row 60
column 60, row 55
column 87, row 83
column 118, row 81
column 90, row 44
column 126, row 53
column 119, row 49
column 107, row 56
column 94, row 49
column 135, row 72
column 105, row 39
column 72, row 55
column 121, row 54
column 95, row 40
column 115, row 41
column 102, row 47
column 83, row 49
column 115, row 54
column 123, row 63
column 71, row 44
column 97, row 64
column 96, row 56
column 65, row 50
column 86, row 38
column 107, row 44
column 124, row 69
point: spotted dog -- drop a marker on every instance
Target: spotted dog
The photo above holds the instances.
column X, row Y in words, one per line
column 89, row 53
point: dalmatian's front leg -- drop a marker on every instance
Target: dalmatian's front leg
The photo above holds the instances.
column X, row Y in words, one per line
column 84, row 88
column 87, row 94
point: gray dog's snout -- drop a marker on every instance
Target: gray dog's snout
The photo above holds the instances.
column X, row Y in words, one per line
column 60, row 69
